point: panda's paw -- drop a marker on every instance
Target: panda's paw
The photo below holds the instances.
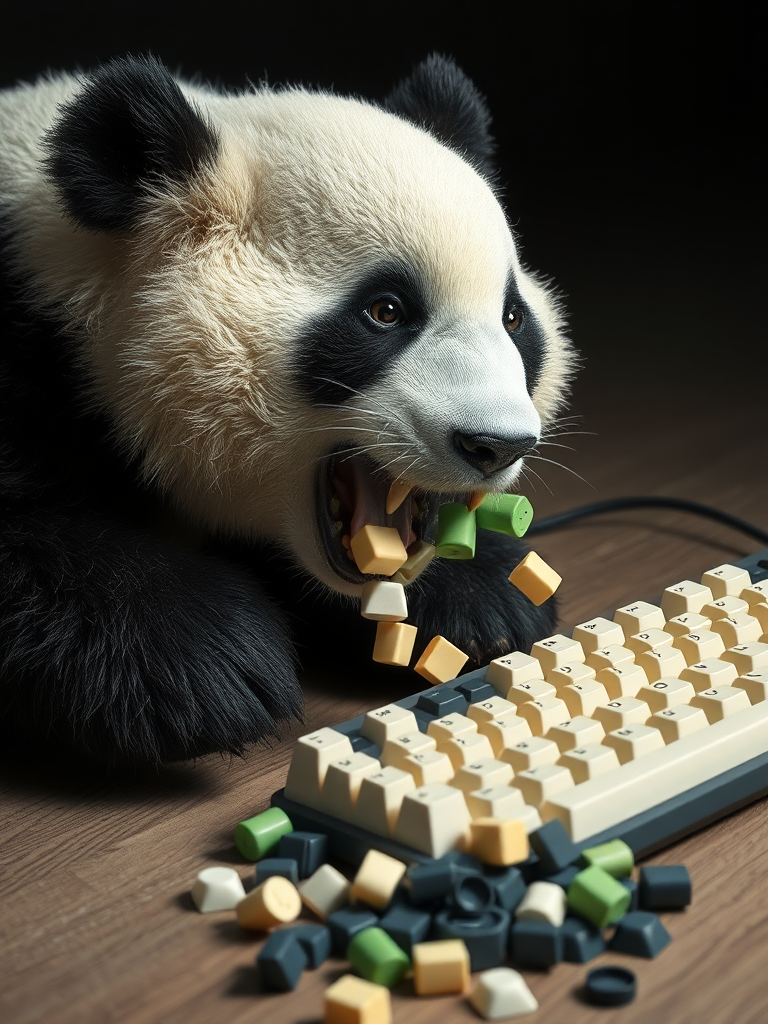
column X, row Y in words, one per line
column 474, row 606
column 122, row 648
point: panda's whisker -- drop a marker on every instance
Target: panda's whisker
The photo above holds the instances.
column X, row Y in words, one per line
column 539, row 477
column 568, row 469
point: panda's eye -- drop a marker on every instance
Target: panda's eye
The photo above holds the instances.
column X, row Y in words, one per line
column 513, row 318
column 387, row 311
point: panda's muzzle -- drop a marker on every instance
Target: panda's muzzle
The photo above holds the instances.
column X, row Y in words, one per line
column 352, row 493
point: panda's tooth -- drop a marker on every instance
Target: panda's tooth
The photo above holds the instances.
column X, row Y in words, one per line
column 475, row 499
column 398, row 492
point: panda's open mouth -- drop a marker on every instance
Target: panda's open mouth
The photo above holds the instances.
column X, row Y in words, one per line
column 354, row 492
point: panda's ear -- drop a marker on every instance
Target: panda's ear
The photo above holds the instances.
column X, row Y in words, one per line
column 438, row 96
column 129, row 127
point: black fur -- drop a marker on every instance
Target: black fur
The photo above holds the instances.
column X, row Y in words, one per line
column 438, row 96
column 131, row 126
column 116, row 641
column 345, row 350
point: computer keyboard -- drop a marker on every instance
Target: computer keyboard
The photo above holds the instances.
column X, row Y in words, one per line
column 645, row 726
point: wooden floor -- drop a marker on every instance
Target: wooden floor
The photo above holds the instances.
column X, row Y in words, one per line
column 96, row 924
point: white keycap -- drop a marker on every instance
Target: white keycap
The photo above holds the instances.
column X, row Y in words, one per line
column 543, row 901
column 501, row 993
column 217, row 888
column 383, row 601
column 602, row 803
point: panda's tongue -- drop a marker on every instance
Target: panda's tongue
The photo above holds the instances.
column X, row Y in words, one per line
column 363, row 498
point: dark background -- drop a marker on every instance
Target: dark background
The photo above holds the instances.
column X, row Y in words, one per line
column 630, row 145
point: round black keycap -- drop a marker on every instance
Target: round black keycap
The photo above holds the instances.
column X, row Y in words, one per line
column 610, row 986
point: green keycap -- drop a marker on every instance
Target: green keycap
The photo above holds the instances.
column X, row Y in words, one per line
column 456, row 531
column 615, row 857
column 598, row 897
column 258, row 835
column 505, row 513
column 377, row 957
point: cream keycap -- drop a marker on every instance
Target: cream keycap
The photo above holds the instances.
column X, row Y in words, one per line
column 621, row 713
column 623, row 681
column 602, row 803
column 443, row 729
column 311, row 756
column 722, row 607
column 512, row 668
column 556, row 650
column 534, row 689
column 637, row 617
column 490, row 710
column 589, row 762
column 685, row 597
column 531, row 753
column 496, row 802
column 572, row 672
column 726, row 580
column 576, row 732
column 465, row 749
column 397, row 748
column 542, row 714
column 583, row 698
column 483, row 774
column 542, row 783
column 755, row 683
column 613, row 656
column 691, row 622
column 737, row 629
column 380, row 798
column 389, row 720
column 343, row 779
column 666, row 693
column 667, row 661
column 649, row 640
column 721, row 701
column 678, row 721
column 634, row 741
column 504, row 733
column 700, row 645
column 747, row 657
column 433, row 819
column 598, row 633
column 710, row 673
column 433, row 766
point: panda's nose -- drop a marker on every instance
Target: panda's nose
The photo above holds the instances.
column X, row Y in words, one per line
column 488, row 453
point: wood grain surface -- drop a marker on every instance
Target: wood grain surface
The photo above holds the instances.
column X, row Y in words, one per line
column 96, row 921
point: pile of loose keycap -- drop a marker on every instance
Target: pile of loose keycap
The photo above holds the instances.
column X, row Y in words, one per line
column 443, row 920
column 379, row 550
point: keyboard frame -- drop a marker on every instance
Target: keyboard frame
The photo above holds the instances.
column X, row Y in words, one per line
column 662, row 825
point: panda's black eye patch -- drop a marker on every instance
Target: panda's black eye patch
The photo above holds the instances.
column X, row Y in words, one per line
column 386, row 311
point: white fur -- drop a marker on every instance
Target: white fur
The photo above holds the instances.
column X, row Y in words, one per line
column 187, row 328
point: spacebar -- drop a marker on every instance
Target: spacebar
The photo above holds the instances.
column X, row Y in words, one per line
column 637, row 786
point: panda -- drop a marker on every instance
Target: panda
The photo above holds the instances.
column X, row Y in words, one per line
column 234, row 325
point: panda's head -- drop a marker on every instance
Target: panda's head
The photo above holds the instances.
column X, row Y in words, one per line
column 287, row 301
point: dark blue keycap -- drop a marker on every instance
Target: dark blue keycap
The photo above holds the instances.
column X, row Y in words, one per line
column 315, row 940
column 344, row 925
column 581, row 941
column 665, row 887
column 286, row 867
column 535, row 944
column 640, row 933
column 308, row 849
column 281, row 961
column 553, row 846
column 485, row 934
column 407, row 926
column 442, row 701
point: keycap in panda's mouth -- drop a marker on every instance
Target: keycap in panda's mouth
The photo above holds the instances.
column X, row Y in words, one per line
column 352, row 492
